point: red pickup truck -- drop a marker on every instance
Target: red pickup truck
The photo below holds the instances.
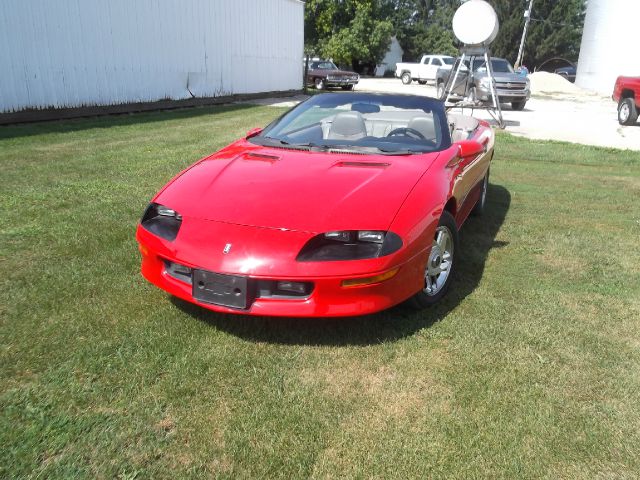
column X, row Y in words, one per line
column 626, row 92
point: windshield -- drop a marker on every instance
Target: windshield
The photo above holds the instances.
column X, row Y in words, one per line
column 499, row 66
column 323, row 66
column 363, row 123
column 448, row 61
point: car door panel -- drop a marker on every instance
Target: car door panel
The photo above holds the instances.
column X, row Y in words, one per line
column 469, row 174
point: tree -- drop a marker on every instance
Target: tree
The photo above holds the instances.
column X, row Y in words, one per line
column 424, row 26
column 349, row 31
column 365, row 40
column 356, row 31
column 555, row 30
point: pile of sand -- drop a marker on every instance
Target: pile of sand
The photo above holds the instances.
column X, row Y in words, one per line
column 546, row 83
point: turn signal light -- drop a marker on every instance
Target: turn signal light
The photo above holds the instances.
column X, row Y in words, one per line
column 358, row 282
column 143, row 250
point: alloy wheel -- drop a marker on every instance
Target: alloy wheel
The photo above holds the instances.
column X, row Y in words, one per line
column 440, row 261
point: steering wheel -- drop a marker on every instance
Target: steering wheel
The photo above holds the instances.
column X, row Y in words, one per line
column 406, row 132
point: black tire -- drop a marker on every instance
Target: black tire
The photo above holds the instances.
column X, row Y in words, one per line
column 406, row 78
column 422, row 82
column 422, row 299
column 518, row 105
column 480, row 205
column 627, row 111
column 440, row 90
column 319, row 83
column 347, row 87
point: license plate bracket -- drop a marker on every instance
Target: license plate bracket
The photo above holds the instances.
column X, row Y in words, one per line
column 221, row 289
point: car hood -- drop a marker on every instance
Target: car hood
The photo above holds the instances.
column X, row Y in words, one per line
column 295, row 190
column 506, row 77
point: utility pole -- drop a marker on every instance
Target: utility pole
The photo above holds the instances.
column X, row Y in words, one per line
column 527, row 18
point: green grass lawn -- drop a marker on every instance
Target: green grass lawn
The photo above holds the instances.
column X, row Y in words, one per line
column 529, row 369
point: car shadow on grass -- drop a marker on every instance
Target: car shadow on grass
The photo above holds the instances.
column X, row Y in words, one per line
column 477, row 239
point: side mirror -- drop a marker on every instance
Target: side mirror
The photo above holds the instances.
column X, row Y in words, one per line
column 470, row 148
column 253, row 132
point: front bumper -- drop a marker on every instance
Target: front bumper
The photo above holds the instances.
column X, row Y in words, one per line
column 340, row 83
column 328, row 297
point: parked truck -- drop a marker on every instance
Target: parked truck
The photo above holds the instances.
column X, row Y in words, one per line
column 626, row 92
column 425, row 70
column 473, row 84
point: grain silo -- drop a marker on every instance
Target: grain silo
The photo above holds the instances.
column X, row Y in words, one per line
column 609, row 44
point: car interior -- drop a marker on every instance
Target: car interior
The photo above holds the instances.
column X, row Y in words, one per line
column 387, row 127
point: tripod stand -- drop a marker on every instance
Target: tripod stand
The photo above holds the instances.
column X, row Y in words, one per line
column 472, row 54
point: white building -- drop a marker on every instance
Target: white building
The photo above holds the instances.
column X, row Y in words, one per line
column 393, row 56
column 610, row 43
column 72, row 53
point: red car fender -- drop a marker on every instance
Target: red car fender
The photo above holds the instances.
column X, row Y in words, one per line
column 418, row 217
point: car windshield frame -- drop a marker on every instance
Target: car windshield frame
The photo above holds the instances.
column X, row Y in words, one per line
column 310, row 136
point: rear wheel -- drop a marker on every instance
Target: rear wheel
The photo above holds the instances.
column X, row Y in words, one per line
column 438, row 272
column 518, row 105
column 319, row 83
column 406, row 78
column 440, row 90
column 627, row 112
column 480, row 206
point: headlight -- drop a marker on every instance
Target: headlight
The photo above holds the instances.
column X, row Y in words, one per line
column 161, row 221
column 349, row 245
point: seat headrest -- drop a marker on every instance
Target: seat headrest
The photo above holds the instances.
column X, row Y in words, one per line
column 347, row 126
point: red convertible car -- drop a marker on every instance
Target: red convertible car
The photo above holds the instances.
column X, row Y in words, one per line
column 348, row 204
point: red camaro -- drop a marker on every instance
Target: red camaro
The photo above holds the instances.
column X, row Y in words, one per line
column 348, row 204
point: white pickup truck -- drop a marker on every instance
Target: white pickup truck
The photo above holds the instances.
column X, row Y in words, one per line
column 425, row 71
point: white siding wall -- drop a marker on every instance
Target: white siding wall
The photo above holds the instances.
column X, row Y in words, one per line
column 69, row 53
column 393, row 56
column 610, row 42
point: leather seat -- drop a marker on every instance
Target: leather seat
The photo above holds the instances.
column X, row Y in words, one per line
column 424, row 125
column 347, row 126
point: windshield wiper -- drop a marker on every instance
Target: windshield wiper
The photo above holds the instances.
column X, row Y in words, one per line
column 284, row 143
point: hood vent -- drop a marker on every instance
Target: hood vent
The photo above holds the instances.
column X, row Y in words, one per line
column 347, row 152
column 363, row 164
column 262, row 156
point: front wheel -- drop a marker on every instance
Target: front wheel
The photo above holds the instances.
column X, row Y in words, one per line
column 438, row 272
column 518, row 105
column 347, row 87
column 422, row 82
column 406, row 78
column 440, row 91
column 319, row 83
column 627, row 112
